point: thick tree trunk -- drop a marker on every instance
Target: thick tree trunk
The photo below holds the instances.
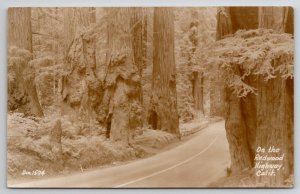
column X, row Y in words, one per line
column 236, row 132
column 20, row 36
column 275, row 124
column 265, row 119
column 164, row 96
column 82, row 91
column 122, row 81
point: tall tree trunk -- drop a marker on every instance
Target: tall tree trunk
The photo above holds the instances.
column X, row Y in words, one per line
column 164, row 96
column 266, row 119
column 275, row 124
column 82, row 90
column 236, row 134
column 20, row 35
column 122, row 81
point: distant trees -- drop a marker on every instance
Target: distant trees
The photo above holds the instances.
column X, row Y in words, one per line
column 163, row 110
column 197, row 76
column 24, row 87
column 194, row 30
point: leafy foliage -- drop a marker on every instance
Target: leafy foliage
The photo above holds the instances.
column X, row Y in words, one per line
column 258, row 52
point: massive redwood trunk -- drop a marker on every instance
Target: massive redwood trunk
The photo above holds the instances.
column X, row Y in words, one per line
column 236, row 131
column 122, row 98
column 264, row 119
column 164, row 97
column 81, row 90
column 275, row 124
column 24, row 83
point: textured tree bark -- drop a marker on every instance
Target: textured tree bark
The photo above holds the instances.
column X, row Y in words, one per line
column 275, row 124
column 139, row 34
column 20, row 36
column 236, row 132
column 249, row 116
column 76, row 19
column 122, row 81
column 164, row 97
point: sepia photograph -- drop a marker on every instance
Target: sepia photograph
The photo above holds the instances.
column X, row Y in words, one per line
column 150, row 97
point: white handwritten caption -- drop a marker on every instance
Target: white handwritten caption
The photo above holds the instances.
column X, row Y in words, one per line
column 33, row 173
column 268, row 161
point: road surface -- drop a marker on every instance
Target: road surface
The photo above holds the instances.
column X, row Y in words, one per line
column 194, row 163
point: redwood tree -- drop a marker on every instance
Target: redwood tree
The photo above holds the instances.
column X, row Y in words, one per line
column 163, row 112
column 20, row 36
column 122, row 96
column 263, row 118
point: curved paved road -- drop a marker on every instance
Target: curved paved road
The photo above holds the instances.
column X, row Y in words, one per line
column 195, row 163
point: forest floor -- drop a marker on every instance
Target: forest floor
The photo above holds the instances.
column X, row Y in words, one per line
column 83, row 146
column 200, row 158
